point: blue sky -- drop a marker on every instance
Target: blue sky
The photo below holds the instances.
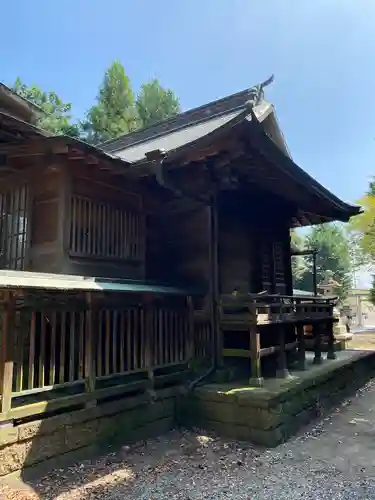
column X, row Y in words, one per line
column 321, row 52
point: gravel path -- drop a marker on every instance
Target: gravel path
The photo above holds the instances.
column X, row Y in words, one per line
column 333, row 459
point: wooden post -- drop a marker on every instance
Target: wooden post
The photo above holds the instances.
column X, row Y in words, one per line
column 147, row 325
column 214, row 279
column 315, row 285
column 317, row 344
column 282, row 369
column 331, row 341
column 190, row 333
column 301, row 353
column 7, row 352
column 89, row 349
column 256, row 379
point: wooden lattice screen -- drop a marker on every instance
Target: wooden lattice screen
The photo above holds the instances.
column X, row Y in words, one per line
column 273, row 267
column 105, row 231
column 13, row 228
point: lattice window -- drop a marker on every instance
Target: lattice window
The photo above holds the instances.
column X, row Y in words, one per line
column 103, row 230
column 13, row 228
column 266, row 266
column 279, row 267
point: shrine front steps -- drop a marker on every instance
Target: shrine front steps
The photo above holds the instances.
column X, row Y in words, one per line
column 270, row 415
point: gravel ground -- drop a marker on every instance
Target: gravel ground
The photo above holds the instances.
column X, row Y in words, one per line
column 333, row 459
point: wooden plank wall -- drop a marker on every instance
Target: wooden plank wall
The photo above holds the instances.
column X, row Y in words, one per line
column 178, row 247
column 235, row 252
column 44, row 252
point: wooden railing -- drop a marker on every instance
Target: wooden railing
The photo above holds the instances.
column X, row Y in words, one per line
column 262, row 309
column 105, row 231
column 70, row 349
column 283, row 318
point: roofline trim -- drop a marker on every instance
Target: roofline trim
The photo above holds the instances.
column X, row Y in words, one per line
column 22, row 101
column 306, row 179
column 255, row 93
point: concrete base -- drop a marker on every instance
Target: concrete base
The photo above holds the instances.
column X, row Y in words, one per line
column 270, row 414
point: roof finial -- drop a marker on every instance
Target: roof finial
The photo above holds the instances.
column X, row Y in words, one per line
column 256, row 94
column 261, row 86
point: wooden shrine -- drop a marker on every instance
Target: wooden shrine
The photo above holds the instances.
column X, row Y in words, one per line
column 158, row 252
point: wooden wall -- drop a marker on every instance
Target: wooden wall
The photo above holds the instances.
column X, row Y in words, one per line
column 112, row 209
column 44, row 220
column 178, row 246
column 254, row 243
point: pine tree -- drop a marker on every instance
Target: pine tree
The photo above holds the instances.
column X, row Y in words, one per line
column 115, row 112
column 155, row 103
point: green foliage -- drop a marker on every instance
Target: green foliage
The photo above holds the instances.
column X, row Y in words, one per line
column 372, row 291
column 298, row 262
column 371, row 188
column 154, row 103
column 333, row 258
column 363, row 226
column 57, row 114
column 115, row 112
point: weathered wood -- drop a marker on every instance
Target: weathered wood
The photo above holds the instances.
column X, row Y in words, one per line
column 256, row 373
column 62, row 347
column 7, row 353
column 31, row 368
column 89, row 344
column 331, row 340
column 301, row 352
column 72, row 339
column 317, row 344
column 107, row 342
column 282, row 369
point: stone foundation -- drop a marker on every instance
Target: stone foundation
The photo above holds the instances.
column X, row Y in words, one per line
column 121, row 421
column 271, row 414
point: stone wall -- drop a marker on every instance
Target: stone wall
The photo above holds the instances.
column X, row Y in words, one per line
column 126, row 420
column 271, row 417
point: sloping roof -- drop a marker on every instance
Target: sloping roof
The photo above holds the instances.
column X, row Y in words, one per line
column 39, row 145
column 200, row 127
column 23, row 105
column 185, row 127
column 12, row 128
column 63, row 282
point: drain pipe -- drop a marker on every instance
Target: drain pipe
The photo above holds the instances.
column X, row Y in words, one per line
column 214, row 295
column 157, row 157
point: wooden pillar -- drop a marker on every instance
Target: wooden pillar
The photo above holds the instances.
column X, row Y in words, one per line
column 315, row 285
column 301, row 353
column 7, row 352
column 256, row 379
column 89, row 357
column 190, row 332
column 331, row 341
column 317, row 344
column 148, row 336
column 282, row 369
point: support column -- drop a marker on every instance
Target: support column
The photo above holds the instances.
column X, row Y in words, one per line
column 282, row 368
column 301, row 353
column 147, row 335
column 256, row 379
column 90, row 374
column 190, row 334
column 317, row 344
column 7, row 353
column 331, row 341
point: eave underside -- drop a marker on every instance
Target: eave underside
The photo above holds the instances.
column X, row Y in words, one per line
column 243, row 156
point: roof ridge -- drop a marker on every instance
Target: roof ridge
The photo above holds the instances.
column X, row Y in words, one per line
column 179, row 121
